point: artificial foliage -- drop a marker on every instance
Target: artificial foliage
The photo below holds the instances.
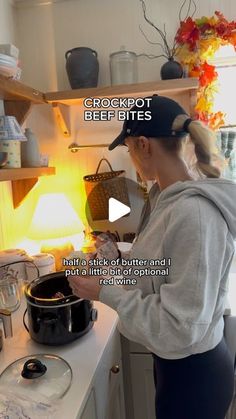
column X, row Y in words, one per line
column 197, row 41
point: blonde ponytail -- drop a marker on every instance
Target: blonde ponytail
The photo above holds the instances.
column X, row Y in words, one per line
column 204, row 141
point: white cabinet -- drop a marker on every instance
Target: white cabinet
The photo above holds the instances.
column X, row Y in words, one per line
column 106, row 397
column 90, row 410
column 108, row 382
column 142, row 386
column 139, row 386
column 116, row 405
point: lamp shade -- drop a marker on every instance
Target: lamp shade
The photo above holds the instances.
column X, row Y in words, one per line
column 10, row 129
column 54, row 218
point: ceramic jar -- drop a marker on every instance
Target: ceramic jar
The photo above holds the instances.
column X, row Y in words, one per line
column 13, row 150
column 82, row 67
column 45, row 263
column 30, row 155
column 171, row 70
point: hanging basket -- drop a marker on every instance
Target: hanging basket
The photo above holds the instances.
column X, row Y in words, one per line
column 102, row 186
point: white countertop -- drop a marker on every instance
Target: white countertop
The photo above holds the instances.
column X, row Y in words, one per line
column 83, row 355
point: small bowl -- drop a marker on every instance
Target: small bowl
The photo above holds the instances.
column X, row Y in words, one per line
column 3, row 158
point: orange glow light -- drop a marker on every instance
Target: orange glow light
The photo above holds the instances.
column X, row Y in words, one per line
column 54, row 221
column 54, row 218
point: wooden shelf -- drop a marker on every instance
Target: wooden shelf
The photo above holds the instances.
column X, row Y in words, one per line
column 23, row 180
column 25, row 173
column 18, row 98
column 73, row 97
column 14, row 90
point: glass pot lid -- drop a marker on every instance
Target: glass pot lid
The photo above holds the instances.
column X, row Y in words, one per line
column 45, row 374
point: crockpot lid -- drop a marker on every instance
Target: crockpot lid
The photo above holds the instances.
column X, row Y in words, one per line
column 46, row 374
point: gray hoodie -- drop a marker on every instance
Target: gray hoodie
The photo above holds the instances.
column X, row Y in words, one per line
column 181, row 312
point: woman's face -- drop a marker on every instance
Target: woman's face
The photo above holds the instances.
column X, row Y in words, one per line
column 140, row 152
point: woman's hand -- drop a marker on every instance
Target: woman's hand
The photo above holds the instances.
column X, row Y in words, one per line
column 108, row 251
column 86, row 287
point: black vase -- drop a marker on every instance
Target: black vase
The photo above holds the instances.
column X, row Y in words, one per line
column 82, row 67
column 171, row 70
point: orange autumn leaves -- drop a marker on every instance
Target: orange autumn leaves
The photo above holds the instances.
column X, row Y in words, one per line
column 188, row 33
column 197, row 41
column 216, row 26
column 207, row 74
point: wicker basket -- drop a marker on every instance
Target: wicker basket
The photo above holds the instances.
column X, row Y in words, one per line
column 102, row 186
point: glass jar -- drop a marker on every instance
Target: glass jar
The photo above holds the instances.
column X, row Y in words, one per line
column 123, row 67
column 9, row 291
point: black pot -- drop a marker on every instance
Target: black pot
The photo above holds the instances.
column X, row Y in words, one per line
column 82, row 67
column 171, row 70
column 56, row 321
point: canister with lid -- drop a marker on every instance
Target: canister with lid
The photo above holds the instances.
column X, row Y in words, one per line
column 11, row 256
column 45, row 262
column 123, row 67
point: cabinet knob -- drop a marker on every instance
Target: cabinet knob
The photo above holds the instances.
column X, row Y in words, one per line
column 115, row 369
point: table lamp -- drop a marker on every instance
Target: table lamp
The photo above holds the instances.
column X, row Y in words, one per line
column 54, row 223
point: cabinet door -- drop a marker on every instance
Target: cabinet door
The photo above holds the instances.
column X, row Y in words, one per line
column 90, row 411
column 108, row 385
column 116, row 406
column 143, row 388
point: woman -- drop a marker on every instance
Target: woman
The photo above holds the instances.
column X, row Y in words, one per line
column 191, row 223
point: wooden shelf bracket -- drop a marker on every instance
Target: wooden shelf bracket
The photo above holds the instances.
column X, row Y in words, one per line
column 23, row 180
column 20, row 189
column 20, row 109
column 61, row 113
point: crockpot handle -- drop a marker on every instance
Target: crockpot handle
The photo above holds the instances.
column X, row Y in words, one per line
column 26, row 327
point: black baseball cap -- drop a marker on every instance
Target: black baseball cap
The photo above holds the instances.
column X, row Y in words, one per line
column 163, row 111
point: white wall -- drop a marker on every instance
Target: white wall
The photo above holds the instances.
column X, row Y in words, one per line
column 7, row 22
column 46, row 32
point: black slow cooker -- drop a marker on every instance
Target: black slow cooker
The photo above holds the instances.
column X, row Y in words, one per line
column 55, row 315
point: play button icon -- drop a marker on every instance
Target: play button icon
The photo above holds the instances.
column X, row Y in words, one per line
column 117, row 209
column 113, row 205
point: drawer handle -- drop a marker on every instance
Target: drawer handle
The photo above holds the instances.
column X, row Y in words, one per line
column 115, row 369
